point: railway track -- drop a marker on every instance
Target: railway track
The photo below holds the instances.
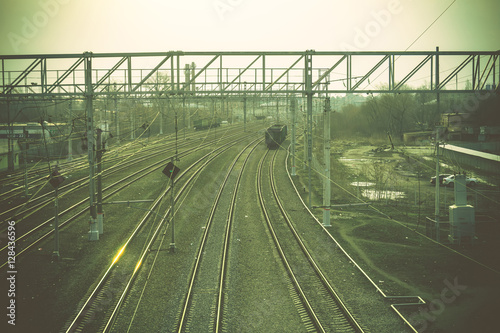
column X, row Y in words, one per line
column 320, row 307
column 210, row 256
column 115, row 157
column 398, row 302
column 24, row 210
column 32, row 235
column 101, row 307
column 37, row 174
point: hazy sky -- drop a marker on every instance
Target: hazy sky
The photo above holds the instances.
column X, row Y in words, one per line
column 75, row 26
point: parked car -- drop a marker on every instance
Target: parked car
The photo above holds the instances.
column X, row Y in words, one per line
column 441, row 177
column 450, row 181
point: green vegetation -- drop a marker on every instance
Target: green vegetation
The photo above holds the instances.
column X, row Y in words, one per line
column 396, row 114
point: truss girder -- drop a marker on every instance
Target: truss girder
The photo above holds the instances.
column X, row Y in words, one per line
column 351, row 72
column 153, row 71
column 482, row 79
column 242, row 72
column 109, row 73
column 412, row 72
column 193, row 79
column 327, row 72
column 283, row 74
column 370, row 72
column 456, row 71
column 65, row 75
column 8, row 88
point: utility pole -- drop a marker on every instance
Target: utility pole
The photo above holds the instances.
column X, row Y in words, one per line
column 172, row 211
column 161, row 118
column 253, row 105
column 89, row 108
column 132, row 124
column 294, row 107
column 176, row 130
column 309, row 97
column 55, row 253
column 70, row 122
column 193, row 73
column 55, row 180
column 438, row 128
column 437, row 203
column 160, row 107
column 10, row 141
column 277, row 110
column 25, row 154
column 304, row 122
column 171, row 171
column 100, row 213
column 245, row 107
column 326, row 178
column 187, row 77
column 117, row 120
column 184, row 115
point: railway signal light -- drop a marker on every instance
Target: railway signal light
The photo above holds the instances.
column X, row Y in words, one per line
column 171, row 170
column 56, row 179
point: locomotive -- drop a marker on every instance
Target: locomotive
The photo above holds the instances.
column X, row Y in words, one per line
column 275, row 135
column 205, row 123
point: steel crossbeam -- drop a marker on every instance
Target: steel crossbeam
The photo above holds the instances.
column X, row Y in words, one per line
column 89, row 76
column 53, row 76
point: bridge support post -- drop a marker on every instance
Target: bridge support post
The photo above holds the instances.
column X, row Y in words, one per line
column 294, row 109
column 89, row 110
column 309, row 97
column 326, row 178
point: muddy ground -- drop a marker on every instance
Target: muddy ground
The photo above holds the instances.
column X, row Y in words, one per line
column 390, row 237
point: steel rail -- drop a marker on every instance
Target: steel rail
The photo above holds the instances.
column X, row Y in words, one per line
column 306, row 252
column 194, row 272
column 85, row 180
column 71, row 187
column 418, row 301
column 86, row 306
column 117, row 307
column 154, row 167
column 75, row 164
column 311, row 313
column 227, row 238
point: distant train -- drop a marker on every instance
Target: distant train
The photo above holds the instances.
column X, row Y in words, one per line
column 275, row 135
column 28, row 131
column 205, row 123
column 29, row 140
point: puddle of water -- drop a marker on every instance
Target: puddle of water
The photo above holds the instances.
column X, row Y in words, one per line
column 362, row 184
column 382, row 195
column 373, row 194
column 353, row 159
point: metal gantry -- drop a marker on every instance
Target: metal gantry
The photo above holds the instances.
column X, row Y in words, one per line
column 88, row 76
column 224, row 73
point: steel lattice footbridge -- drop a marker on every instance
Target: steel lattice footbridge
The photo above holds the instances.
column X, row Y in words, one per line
column 256, row 72
column 176, row 74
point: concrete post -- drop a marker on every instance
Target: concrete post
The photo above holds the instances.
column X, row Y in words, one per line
column 326, row 178
column 294, row 108
column 309, row 97
column 436, row 208
column 100, row 213
column 89, row 109
column 70, row 142
column 55, row 253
